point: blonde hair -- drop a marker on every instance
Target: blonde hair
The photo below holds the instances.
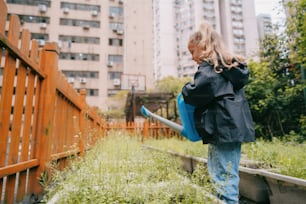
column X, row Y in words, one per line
column 212, row 47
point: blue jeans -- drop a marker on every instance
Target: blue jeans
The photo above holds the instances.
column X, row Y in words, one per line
column 223, row 168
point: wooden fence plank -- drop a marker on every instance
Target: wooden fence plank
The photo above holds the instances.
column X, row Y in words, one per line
column 18, row 103
column 26, row 134
column 54, row 142
column 82, row 120
column 28, row 118
column 7, row 90
column 34, row 132
column 37, row 92
column 21, row 166
column 32, row 113
column 65, row 145
column 18, row 112
column 3, row 13
column 61, row 122
column 6, row 106
column 70, row 134
column 48, row 63
column 34, row 136
column 6, row 95
column 76, row 128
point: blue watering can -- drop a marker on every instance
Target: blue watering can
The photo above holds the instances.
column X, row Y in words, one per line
column 187, row 129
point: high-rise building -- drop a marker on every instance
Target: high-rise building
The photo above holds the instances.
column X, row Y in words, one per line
column 138, row 46
column 235, row 20
column 89, row 34
column 264, row 25
column 165, row 39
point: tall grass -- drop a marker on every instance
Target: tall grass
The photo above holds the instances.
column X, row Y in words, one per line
column 180, row 146
column 119, row 170
column 278, row 156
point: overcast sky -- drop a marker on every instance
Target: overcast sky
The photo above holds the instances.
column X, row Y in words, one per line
column 271, row 7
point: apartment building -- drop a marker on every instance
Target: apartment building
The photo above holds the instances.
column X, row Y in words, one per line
column 235, row 20
column 89, row 34
column 264, row 25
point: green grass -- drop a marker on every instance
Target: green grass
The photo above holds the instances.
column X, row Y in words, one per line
column 277, row 156
column 181, row 146
column 120, row 170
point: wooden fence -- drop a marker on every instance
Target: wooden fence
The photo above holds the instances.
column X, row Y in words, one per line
column 43, row 120
column 143, row 130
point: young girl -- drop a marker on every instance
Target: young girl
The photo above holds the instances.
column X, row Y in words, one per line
column 222, row 115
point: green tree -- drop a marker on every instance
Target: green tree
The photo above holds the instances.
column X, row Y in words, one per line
column 296, row 32
column 116, row 106
column 276, row 107
column 171, row 84
column 276, row 84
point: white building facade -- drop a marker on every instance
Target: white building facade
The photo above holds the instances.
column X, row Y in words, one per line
column 235, row 20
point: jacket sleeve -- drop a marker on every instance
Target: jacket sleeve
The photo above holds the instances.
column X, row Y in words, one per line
column 199, row 92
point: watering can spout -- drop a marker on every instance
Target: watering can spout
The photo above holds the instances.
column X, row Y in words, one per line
column 174, row 126
column 144, row 112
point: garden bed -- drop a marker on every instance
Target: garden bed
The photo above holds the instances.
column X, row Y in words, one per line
column 256, row 184
column 278, row 156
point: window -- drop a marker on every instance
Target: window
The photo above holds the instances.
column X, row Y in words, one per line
column 30, row 2
column 79, row 39
column 91, row 92
column 116, row 26
column 117, row 59
column 115, row 42
column 116, row 10
column 79, row 56
column 114, row 75
column 82, row 7
column 82, row 74
column 32, row 19
column 76, row 22
column 238, row 32
column 40, row 36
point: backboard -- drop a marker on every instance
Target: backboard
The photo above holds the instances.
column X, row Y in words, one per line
column 129, row 80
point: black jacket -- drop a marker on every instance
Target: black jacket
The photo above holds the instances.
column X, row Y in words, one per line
column 222, row 113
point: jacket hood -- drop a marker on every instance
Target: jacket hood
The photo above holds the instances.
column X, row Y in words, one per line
column 238, row 75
